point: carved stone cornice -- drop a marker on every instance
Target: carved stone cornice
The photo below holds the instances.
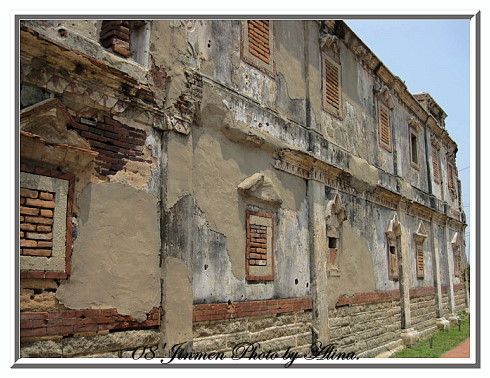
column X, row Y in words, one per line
column 66, row 71
column 414, row 123
column 417, row 210
column 303, row 165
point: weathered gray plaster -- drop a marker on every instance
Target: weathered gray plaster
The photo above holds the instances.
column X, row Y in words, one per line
column 177, row 327
column 357, row 272
column 179, row 167
column 116, row 256
column 318, row 261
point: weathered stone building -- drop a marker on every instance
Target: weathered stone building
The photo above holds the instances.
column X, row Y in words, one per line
column 212, row 182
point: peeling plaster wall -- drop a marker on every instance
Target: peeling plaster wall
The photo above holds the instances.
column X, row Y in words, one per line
column 368, row 244
column 203, row 201
column 235, row 126
column 216, row 219
column 116, row 256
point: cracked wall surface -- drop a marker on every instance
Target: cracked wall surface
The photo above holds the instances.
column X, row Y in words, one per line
column 168, row 157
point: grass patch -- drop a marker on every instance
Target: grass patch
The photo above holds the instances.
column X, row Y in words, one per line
column 442, row 342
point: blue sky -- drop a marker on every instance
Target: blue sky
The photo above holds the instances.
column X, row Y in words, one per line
column 430, row 56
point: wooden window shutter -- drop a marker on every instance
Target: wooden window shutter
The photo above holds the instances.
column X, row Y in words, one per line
column 420, row 261
column 435, row 164
column 384, row 126
column 332, row 87
column 258, row 39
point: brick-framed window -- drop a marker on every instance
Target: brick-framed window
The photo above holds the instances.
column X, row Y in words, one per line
column 45, row 230
column 384, row 126
column 436, row 169
column 257, row 44
column 126, row 38
column 259, row 261
column 332, row 86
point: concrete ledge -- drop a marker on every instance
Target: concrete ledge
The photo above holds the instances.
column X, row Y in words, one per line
column 409, row 336
column 442, row 323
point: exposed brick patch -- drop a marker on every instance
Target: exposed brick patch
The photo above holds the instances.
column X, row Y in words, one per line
column 456, row 287
column 221, row 311
column 73, row 322
column 113, row 141
column 44, row 220
column 259, row 245
column 390, row 295
column 258, row 36
column 36, row 237
column 114, row 34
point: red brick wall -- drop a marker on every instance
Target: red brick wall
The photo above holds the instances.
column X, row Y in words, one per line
column 80, row 322
column 115, row 142
column 258, row 39
column 384, row 296
column 43, row 208
column 257, row 253
column 219, row 311
column 36, row 222
column 114, row 34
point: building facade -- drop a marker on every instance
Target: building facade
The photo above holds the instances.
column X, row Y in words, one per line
column 212, row 182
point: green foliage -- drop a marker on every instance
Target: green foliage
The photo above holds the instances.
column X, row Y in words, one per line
column 442, row 341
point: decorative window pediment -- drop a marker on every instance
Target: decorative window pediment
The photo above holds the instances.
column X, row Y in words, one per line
column 48, row 119
column 329, row 41
column 421, row 234
column 260, row 188
column 415, row 124
column 385, row 96
column 456, row 240
column 335, row 213
column 394, row 228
